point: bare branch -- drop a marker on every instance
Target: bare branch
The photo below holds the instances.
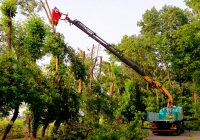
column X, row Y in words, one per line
column 47, row 4
column 28, row 8
column 43, row 5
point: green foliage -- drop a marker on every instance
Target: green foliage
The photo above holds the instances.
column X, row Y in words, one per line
column 127, row 104
column 10, row 83
column 29, row 7
column 115, row 130
column 72, row 131
column 54, row 43
column 78, row 68
column 96, row 103
column 5, row 23
column 35, row 34
column 9, row 8
column 17, row 130
column 167, row 50
column 196, row 77
column 194, row 4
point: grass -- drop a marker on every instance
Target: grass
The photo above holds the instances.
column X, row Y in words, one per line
column 17, row 130
column 192, row 138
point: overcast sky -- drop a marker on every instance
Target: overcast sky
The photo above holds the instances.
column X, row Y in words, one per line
column 110, row 19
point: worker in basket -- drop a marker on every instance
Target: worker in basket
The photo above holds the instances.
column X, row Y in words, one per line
column 56, row 15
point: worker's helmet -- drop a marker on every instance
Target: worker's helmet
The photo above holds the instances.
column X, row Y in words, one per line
column 56, row 10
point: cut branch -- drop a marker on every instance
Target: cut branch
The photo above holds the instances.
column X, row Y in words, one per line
column 48, row 6
column 43, row 5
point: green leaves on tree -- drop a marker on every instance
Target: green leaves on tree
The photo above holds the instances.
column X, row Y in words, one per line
column 9, row 8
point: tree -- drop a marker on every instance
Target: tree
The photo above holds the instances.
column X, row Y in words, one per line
column 158, row 28
column 8, row 10
column 185, row 50
column 35, row 30
column 194, row 4
column 20, row 82
column 29, row 7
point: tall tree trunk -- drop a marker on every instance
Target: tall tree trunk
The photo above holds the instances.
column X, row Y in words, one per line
column 57, row 63
column 111, row 88
column 195, row 98
column 56, row 126
column 92, row 52
column 80, row 87
column 157, row 98
column 112, row 82
column 92, row 71
column 119, row 91
column 46, row 11
column 9, row 30
column 9, row 33
column 194, row 93
column 100, row 66
column 9, row 126
column 92, row 67
column 35, row 124
column 44, row 129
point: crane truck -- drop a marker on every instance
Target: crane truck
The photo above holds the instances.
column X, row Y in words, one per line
column 170, row 118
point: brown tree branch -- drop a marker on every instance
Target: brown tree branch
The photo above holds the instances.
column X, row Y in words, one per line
column 47, row 4
column 43, row 5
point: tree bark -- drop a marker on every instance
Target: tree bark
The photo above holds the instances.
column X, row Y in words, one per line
column 80, row 87
column 57, row 63
column 92, row 67
column 195, row 98
column 44, row 129
column 47, row 4
column 56, row 126
column 9, row 30
column 92, row 71
column 111, row 88
column 35, row 125
column 9, row 126
column 43, row 5
column 112, row 82
column 100, row 66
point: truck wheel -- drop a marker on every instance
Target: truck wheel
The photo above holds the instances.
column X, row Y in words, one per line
column 182, row 130
column 178, row 132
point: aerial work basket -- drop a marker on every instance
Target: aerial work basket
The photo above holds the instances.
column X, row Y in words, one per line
column 56, row 16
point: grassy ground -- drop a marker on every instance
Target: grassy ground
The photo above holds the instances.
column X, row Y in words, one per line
column 17, row 131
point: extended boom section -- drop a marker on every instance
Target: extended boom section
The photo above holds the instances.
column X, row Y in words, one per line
column 93, row 35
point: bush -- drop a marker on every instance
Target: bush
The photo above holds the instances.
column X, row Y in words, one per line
column 117, row 130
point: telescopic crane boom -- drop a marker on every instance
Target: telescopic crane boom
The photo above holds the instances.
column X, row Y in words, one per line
column 132, row 65
column 93, row 35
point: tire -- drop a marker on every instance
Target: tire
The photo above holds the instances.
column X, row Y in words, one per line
column 178, row 132
column 156, row 133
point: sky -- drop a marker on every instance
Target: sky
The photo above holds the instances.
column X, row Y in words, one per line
column 109, row 19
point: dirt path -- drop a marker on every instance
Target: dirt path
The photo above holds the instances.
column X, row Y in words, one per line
column 194, row 135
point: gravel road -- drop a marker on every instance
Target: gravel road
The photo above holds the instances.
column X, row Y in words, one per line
column 194, row 135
